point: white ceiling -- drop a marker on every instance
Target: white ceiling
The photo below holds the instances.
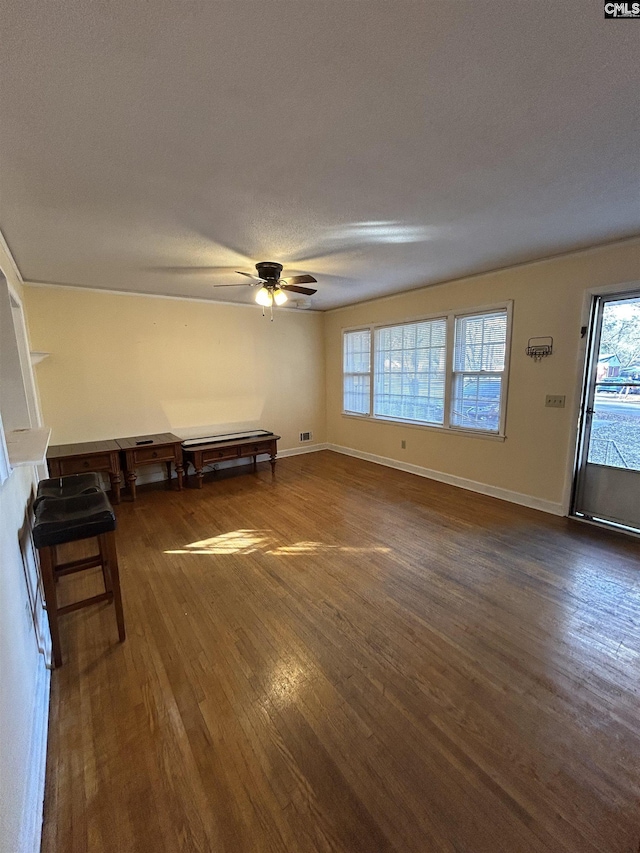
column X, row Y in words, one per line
column 380, row 146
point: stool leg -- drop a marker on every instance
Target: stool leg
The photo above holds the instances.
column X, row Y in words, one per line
column 54, row 553
column 104, row 557
column 47, row 562
column 112, row 561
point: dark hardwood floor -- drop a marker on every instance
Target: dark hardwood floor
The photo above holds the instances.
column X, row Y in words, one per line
column 350, row 658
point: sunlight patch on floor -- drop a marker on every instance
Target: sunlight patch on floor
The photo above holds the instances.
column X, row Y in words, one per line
column 234, row 542
column 320, row 547
column 250, row 541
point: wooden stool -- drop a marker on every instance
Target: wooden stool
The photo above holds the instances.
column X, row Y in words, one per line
column 60, row 520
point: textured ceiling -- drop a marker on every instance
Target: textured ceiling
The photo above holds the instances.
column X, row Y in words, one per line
column 379, row 146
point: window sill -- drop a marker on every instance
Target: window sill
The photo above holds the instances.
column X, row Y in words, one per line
column 27, row 446
column 469, row 433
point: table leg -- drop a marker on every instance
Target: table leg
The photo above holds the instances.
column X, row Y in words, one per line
column 168, row 464
column 272, row 460
column 131, row 481
column 115, row 486
column 179, row 472
column 255, row 463
column 200, row 476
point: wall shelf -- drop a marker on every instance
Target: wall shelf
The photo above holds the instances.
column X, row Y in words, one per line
column 27, row 446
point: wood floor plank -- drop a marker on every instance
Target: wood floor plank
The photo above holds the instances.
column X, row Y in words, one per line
column 349, row 659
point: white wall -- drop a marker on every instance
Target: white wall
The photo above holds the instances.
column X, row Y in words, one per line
column 24, row 680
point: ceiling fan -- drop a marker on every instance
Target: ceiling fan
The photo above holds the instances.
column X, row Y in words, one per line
column 271, row 287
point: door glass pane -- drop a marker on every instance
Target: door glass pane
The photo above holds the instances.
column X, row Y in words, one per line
column 615, row 426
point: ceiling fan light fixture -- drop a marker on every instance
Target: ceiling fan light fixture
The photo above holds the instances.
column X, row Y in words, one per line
column 279, row 296
column 264, row 297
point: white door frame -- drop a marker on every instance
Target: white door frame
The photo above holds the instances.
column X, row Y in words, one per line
column 581, row 366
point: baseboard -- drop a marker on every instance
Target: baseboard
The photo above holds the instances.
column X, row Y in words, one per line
column 298, row 451
column 452, row 480
column 32, row 813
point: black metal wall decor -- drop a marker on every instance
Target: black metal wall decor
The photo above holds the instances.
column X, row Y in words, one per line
column 539, row 348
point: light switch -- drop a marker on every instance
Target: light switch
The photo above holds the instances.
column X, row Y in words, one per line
column 554, row 401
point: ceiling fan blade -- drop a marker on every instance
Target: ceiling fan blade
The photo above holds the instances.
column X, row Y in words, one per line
column 239, row 284
column 248, row 275
column 300, row 279
column 306, row 290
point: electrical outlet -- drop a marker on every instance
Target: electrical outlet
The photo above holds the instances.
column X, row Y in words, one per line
column 403, row 444
column 554, row 401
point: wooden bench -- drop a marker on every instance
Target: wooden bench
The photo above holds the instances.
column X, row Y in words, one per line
column 200, row 452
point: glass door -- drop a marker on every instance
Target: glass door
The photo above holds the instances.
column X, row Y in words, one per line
column 607, row 480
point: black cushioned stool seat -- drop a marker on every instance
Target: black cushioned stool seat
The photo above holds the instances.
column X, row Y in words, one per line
column 69, row 519
column 69, row 486
column 60, row 520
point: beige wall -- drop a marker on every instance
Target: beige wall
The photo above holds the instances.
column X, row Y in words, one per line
column 127, row 365
column 548, row 299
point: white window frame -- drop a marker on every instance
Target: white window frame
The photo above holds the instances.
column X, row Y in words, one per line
column 345, row 374
column 451, row 317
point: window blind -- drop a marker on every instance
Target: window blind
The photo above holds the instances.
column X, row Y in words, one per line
column 478, row 365
column 410, row 371
column 357, row 372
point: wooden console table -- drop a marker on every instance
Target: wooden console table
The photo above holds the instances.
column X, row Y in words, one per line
column 148, row 450
column 207, row 451
column 104, row 456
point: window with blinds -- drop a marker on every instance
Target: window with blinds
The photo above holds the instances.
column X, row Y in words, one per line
column 446, row 372
column 478, row 367
column 410, row 370
column 357, row 372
